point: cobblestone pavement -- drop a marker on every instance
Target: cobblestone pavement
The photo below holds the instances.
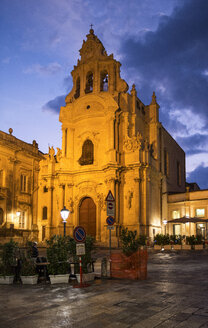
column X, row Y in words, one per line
column 174, row 295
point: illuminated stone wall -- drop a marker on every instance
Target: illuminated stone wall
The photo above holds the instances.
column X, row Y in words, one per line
column 19, row 168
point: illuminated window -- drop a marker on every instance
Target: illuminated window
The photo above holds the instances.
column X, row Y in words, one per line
column 176, row 229
column 89, row 82
column 200, row 212
column 77, row 92
column 87, row 157
column 175, row 214
column 23, row 183
column 22, row 220
column 45, row 210
column 104, row 81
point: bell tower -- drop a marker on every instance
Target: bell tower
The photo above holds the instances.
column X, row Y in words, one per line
column 95, row 71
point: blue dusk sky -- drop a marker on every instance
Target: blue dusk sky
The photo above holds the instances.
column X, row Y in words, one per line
column 161, row 44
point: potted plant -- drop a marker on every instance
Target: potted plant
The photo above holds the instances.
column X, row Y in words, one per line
column 176, row 241
column 189, row 242
column 131, row 263
column 28, row 273
column 158, row 241
column 87, row 261
column 198, row 242
column 166, row 242
column 57, row 255
column 8, row 262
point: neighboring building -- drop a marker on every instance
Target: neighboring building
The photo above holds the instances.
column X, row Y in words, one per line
column 19, row 167
column 110, row 141
column 191, row 204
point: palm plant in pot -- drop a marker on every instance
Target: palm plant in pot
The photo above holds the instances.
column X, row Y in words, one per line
column 57, row 255
column 132, row 262
column 8, row 262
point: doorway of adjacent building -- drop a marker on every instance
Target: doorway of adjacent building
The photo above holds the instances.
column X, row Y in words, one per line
column 87, row 216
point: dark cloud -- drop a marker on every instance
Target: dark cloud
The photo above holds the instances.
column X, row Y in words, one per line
column 199, row 175
column 172, row 60
column 55, row 104
column 194, row 144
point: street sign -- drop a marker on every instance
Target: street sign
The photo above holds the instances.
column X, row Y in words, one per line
column 110, row 220
column 110, row 208
column 80, row 249
column 110, row 197
column 110, row 227
column 79, row 234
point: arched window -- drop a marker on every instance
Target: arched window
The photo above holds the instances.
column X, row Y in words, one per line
column 104, row 81
column 89, row 82
column 77, row 92
column 1, row 216
column 45, row 210
column 87, row 157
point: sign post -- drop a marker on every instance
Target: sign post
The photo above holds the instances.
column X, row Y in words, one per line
column 110, row 218
column 79, row 237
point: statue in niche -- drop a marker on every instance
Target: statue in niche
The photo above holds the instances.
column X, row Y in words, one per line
column 129, row 199
column 87, row 157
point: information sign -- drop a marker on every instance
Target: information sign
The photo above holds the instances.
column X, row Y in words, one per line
column 80, row 249
column 110, row 197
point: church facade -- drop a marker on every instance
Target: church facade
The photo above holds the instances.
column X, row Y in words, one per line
column 112, row 141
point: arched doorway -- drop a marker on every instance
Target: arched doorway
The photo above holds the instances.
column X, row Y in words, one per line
column 87, row 216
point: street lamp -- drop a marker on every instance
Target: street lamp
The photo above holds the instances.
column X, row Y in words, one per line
column 165, row 222
column 64, row 215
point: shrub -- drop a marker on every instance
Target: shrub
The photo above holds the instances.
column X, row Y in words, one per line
column 129, row 241
column 8, row 258
column 28, row 268
column 57, row 255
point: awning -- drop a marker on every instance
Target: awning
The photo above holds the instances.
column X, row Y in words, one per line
column 186, row 219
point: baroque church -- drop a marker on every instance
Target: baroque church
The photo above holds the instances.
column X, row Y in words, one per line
column 111, row 141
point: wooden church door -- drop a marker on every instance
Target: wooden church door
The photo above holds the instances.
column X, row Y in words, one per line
column 87, row 216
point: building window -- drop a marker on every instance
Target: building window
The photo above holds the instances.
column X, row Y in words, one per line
column 89, row 82
column 87, row 157
column 45, row 189
column 104, row 81
column 77, row 92
column 175, row 214
column 178, row 174
column 22, row 220
column 176, row 229
column 45, row 210
column 200, row 229
column 200, row 212
column 1, row 216
column 23, row 183
column 166, row 163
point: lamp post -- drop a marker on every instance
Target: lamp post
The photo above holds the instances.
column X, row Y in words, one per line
column 165, row 223
column 64, row 214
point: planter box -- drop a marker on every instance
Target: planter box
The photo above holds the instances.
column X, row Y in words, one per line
column 129, row 267
column 186, row 247
column 167, row 247
column 177, row 247
column 157, row 247
column 198, row 247
column 7, row 280
column 29, row 280
column 86, row 277
column 59, row 279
